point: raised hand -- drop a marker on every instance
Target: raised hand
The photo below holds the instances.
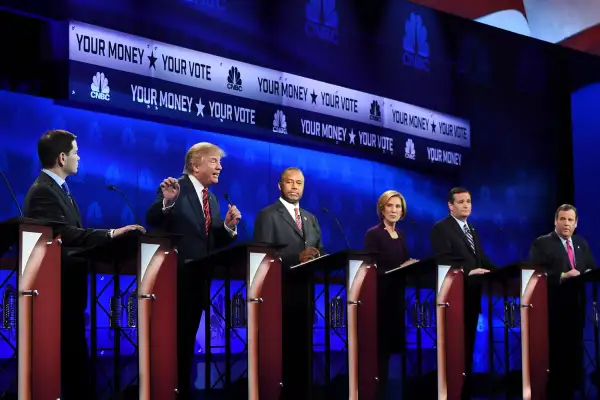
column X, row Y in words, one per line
column 170, row 190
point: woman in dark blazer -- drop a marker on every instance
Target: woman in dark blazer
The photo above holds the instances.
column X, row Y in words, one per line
column 387, row 240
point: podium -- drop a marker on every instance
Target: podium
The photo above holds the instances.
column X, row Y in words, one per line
column 154, row 262
column 359, row 281
column 38, row 322
column 523, row 289
column 590, row 358
column 258, row 266
column 436, row 318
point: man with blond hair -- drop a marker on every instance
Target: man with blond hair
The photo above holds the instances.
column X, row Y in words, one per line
column 186, row 207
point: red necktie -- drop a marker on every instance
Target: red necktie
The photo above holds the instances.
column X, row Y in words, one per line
column 206, row 208
column 570, row 254
column 298, row 220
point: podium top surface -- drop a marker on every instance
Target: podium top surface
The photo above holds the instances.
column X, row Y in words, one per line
column 334, row 261
column 591, row 275
column 235, row 254
column 9, row 229
column 122, row 248
column 422, row 267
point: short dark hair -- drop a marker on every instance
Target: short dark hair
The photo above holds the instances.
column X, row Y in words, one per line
column 288, row 169
column 51, row 144
column 565, row 207
column 456, row 190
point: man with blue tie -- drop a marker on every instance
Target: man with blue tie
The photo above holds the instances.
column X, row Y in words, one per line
column 50, row 198
column 455, row 242
column 565, row 256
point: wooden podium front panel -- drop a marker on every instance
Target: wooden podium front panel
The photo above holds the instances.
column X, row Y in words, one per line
column 450, row 332
column 534, row 334
column 157, row 320
column 39, row 333
column 368, row 366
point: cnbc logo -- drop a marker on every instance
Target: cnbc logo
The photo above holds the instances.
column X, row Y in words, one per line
column 416, row 48
column 375, row 111
column 99, row 86
column 409, row 150
column 234, row 79
column 322, row 20
column 279, row 122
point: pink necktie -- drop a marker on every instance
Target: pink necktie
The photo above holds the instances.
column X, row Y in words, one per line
column 570, row 254
column 298, row 220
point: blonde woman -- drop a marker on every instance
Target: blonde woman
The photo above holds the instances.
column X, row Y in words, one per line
column 388, row 241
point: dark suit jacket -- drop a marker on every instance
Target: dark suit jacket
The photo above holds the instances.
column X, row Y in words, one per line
column 548, row 251
column 451, row 247
column 391, row 253
column 275, row 225
column 186, row 218
column 46, row 200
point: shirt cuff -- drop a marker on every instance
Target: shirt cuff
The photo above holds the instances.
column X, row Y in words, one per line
column 165, row 207
column 232, row 232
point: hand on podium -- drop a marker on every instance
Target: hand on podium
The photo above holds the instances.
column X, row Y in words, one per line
column 571, row 274
column 118, row 232
column 309, row 254
column 478, row 271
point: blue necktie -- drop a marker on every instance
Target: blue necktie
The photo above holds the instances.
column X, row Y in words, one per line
column 65, row 187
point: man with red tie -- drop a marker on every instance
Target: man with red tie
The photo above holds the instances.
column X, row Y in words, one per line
column 186, row 207
column 285, row 223
column 565, row 256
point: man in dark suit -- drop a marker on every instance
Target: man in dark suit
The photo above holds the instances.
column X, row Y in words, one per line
column 565, row 256
column 285, row 223
column 185, row 206
column 456, row 242
column 50, row 198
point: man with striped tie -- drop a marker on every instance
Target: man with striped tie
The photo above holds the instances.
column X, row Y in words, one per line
column 565, row 256
column 186, row 207
column 455, row 242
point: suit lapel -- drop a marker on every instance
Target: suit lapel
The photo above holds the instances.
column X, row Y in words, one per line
column 288, row 218
column 563, row 252
column 190, row 194
column 69, row 205
column 462, row 234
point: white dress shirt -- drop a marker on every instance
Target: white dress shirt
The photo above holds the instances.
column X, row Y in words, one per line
column 56, row 178
column 461, row 223
column 290, row 207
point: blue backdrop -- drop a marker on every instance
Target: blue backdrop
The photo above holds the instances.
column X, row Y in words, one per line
column 453, row 66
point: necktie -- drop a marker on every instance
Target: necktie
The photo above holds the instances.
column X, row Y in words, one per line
column 570, row 254
column 298, row 220
column 469, row 237
column 65, row 188
column 206, row 208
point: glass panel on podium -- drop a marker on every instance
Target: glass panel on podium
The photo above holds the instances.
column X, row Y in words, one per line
column 239, row 349
column 432, row 355
column 113, row 311
column 342, row 308
column 516, row 316
column 591, row 334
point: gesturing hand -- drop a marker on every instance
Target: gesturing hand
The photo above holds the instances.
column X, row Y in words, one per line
column 233, row 216
column 170, row 190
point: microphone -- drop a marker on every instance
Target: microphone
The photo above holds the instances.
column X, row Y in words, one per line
column 337, row 221
column 241, row 221
column 116, row 189
column 12, row 194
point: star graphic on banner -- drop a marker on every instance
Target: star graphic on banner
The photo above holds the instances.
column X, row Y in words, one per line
column 352, row 136
column 200, row 107
column 152, row 60
column 433, row 125
column 314, row 97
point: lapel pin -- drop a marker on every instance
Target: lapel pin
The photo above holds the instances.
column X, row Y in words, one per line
column 306, row 219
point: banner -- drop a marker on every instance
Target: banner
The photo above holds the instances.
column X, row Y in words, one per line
column 127, row 72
